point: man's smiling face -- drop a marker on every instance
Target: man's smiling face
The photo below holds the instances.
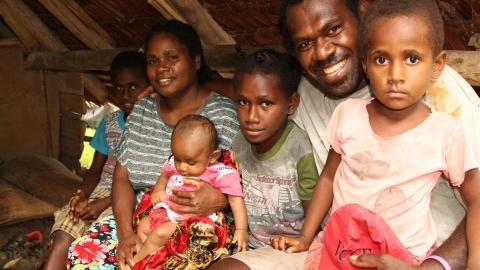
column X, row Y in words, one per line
column 324, row 34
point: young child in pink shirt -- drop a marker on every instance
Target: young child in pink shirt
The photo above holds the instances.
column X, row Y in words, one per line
column 194, row 155
column 385, row 153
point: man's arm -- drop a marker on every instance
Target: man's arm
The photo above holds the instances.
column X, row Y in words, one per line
column 469, row 190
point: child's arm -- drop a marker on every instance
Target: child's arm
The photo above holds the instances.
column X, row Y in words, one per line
column 241, row 222
column 470, row 193
column 159, row 191
column 320, row 204
column 79, row 203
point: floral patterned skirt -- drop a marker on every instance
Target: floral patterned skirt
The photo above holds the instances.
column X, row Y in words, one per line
column 95, row 249
column 196, row 244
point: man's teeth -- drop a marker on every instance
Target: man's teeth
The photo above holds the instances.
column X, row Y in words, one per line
column 164, row 81
column 335, row 67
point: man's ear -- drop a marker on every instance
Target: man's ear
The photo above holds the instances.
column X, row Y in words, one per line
column 198, row 62
column 293, row 102
column 439, row 64
column 214, row 156
column 362, row 6
column 364, row 67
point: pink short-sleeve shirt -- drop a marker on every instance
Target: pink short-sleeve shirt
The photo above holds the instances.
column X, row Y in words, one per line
column 394, row 176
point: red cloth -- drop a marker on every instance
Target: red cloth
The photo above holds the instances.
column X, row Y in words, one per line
column 354, row 230
column 179, row 242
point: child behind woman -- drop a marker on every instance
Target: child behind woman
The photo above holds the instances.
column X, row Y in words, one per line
column 385, row 155
column 91, row 201
column 195, row 154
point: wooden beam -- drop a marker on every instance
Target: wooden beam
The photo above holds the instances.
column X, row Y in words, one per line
column 26, row 19
column 467, row 63
column 34, row 27
column 222, row 58
column 16, row 24
column 167, row 10
column 79, row 23
column 88, row 21
column 81, row 60
column 196, row 15
column 9, row 41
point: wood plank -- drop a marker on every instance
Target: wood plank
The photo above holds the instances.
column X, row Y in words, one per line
column 72, row 104
column 72, row 128
column 222, row 58
column 16, row 24
column 46, row 38
column 34, row 25
column 166, row 9
column 81, row 60
column 197, row 16
column 9, row 41
column 75, row 23
column 88, row 21
column 53, row 110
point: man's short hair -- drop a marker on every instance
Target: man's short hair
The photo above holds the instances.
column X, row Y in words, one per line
column 285, row 4
column 427, row 10
column 283, row 66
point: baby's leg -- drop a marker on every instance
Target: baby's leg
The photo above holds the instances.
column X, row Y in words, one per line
column 157, row 238
column 143, row 229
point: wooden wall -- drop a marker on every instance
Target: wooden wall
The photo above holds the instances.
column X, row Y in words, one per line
column 40, row 111
column 23, row 112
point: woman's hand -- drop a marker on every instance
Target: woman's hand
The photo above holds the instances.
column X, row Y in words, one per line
column 290, row 244
column 126, row 249
column 241, row 238
column 203, row 201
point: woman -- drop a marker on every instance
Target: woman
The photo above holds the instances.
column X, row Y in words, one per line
column 175, row 69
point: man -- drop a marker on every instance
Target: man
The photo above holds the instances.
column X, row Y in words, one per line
column 323, row 34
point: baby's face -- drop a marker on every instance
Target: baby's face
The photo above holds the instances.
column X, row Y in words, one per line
column 192, row 154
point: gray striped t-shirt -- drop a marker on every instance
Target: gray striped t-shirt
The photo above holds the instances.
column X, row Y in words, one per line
column 145, row 144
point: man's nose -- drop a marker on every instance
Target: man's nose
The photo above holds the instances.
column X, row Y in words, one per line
column 323, row 49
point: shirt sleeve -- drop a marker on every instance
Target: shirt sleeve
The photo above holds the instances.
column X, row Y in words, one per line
column 228, row 181
column 307, row 176
column 460, row 156
column 99, row 140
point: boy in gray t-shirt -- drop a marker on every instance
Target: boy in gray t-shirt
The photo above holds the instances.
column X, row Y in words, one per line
column 274, row 155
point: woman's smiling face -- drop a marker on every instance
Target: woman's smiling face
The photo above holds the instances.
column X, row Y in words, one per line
column 170, row 68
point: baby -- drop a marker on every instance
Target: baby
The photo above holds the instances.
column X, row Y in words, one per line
column 194, row 155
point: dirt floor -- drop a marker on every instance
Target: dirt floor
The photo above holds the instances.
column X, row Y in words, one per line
column 39, row 253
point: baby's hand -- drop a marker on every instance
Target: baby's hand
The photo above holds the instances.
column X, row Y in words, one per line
column 158, row 196
column 241, row 238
